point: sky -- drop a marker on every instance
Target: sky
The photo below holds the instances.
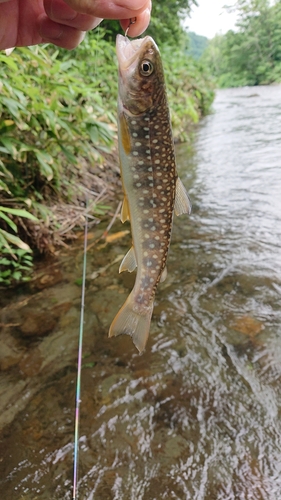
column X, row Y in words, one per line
column 209, row 19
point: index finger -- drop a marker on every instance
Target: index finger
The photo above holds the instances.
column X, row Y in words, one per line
column 139, row 26
column 114, row 9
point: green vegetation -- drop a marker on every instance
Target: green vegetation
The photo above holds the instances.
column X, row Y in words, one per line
column 57, row 127
column 197, row 45
column 252, row 55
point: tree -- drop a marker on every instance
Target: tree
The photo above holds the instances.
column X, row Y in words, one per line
column 251, row 56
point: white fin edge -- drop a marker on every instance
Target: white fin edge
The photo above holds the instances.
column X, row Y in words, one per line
column 129, row 262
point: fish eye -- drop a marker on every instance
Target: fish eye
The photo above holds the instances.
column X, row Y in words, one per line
column 146, row 68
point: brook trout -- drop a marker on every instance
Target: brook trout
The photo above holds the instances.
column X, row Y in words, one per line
column 152, row 189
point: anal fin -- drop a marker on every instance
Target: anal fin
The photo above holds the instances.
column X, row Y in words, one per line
column 129, row 262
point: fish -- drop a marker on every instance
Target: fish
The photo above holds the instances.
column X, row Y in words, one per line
column 152, row 189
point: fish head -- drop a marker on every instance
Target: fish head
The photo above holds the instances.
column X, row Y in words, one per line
column 141, row 74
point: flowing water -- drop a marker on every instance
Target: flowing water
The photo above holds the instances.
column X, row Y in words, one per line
column 197, row 416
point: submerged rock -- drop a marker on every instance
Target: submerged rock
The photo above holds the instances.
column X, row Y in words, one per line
column 38, row 323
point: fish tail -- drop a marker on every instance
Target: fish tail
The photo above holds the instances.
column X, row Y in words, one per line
column 131, row 322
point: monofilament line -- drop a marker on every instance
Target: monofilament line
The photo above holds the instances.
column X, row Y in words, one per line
column 79, row 366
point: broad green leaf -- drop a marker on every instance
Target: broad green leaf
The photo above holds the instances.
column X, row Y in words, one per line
column 45, row 169
column 19, row 213
column 17, row 275
column 9, row 144
column 9, row 221
column 4, row 262
column 15, row 240
column 9, row 62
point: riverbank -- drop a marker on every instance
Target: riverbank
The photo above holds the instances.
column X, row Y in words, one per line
column 59, row 158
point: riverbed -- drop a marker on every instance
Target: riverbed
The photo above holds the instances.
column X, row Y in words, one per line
column 197, row 416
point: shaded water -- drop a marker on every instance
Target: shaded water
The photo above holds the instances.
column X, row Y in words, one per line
column 197, row 416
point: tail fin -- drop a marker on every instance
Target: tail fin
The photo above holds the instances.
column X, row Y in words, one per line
column 132, row 323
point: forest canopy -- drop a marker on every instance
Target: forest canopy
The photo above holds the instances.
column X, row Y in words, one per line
column 252, row 54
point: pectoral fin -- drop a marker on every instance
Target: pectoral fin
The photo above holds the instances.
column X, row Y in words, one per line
column 129, row 262
column 182, row 201
column 125, row 134
column 125, row 214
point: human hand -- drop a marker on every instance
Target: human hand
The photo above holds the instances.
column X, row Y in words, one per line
column 64, row 22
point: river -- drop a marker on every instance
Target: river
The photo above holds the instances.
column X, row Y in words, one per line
column 197, row 416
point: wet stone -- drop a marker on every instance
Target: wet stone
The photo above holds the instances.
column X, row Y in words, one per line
column 10, row 353
column 48, row 280
column 31, row 363
column 37, row 324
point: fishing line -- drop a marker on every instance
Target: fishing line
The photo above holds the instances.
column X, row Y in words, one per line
column 79, row 368
column 80, row 344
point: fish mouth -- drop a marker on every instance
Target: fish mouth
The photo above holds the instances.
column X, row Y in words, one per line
column 128, row 50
